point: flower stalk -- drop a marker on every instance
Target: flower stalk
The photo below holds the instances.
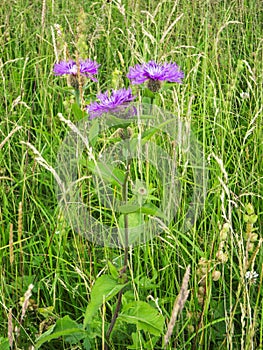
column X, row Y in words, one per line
column 126, row 252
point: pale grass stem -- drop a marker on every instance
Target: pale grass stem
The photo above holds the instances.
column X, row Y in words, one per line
column 19, row 235
column 9, row 135
column 11, row 244
column 178, row 306
column 25, row 304
column 10, row 329
column 43, row 14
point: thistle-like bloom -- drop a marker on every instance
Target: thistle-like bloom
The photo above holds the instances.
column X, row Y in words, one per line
column 155, row 73
column 116, row 101
column 87, row 68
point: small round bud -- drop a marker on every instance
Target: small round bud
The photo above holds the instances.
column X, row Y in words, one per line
column 250, row 247
column 226, row 226
column 203, row 270
column 201, row 290
column 190, row 328
column 249, row 209
column 223, row 235
column 253, row 237
column 199, row 272
column 202, row 261
column 216, row 275
column 253, row 218
column 221, row 256
column 202, row 282
column 200, row 299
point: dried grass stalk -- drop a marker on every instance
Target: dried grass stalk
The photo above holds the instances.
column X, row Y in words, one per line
column 10, row 330
column 178, row 305
column 11, row 245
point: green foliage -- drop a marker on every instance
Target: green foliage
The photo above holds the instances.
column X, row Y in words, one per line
column 64, row 327
column 106, row 172
column 104, row 289
column 144, row 316
column 4, row 343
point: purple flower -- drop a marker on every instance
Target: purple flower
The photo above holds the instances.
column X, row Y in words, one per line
column 154, row 73
column 116, row 101
column 86, row 67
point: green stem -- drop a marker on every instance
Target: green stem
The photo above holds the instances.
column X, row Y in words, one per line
column 77, row 97
column 126, row 252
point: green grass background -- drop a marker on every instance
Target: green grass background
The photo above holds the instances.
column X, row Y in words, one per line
column 219, row 46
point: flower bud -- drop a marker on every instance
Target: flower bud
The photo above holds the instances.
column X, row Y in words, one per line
column 221, row 256
column 250, row 247
column 190, row 328
column 202, row 261
column 253, row 237
column 223, row 235
column 216, row 275
column 249, row 209
column 253, row 218
column 200, row 299
column 201, row 291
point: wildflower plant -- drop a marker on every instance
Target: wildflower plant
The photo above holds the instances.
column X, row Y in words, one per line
column 135, row 207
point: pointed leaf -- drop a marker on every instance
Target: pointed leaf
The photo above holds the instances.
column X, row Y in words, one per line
column 78, row 113
column 128, row 208
column 4, row 344
column 151, row 209
column 144, row 316
column 94, row 132
column 71, row 330
column 113, row 270
column 105, row 288
column 107, row 172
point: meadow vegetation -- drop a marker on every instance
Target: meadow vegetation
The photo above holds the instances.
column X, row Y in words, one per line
column 218, row 44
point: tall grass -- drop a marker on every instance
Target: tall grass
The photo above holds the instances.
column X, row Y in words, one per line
column 219, row 46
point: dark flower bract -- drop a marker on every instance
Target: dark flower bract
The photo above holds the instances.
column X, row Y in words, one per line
column 114, row 101
column 155, row 72
column 88, row 68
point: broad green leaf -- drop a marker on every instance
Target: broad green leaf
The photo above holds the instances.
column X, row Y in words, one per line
column 144, row 316
column 78, row 113
column 149, row 133
column 136, row 227
column 151, row 209
column 134, row 220
column 148, row 93
column 94, row 132
column 107, row 172
column 113, row 270
column 46, row 311
column 148, row 209
column 128, row 208
column 145, row 282
column 4, row 344
column 64, row 327
column 138, row 341
column 104, row 289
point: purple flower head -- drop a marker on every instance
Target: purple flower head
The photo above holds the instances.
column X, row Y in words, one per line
column 86, row 67
column 155, row 73
column 113, row 102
